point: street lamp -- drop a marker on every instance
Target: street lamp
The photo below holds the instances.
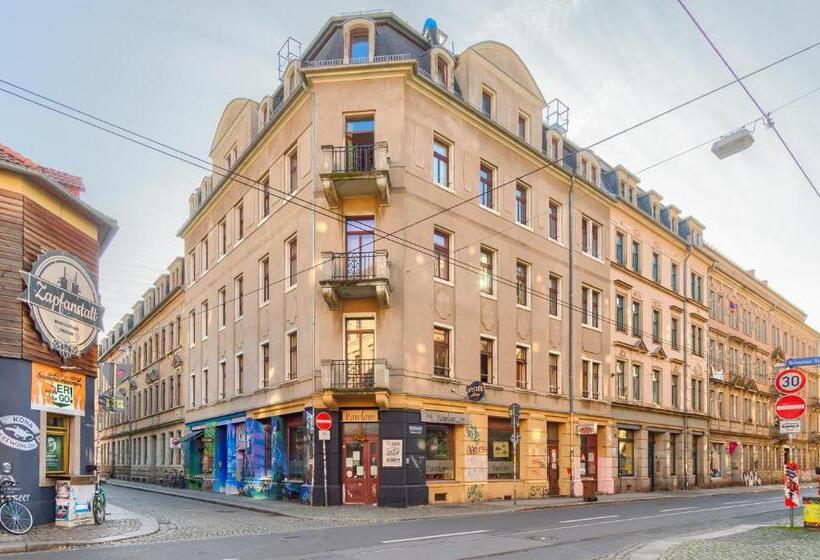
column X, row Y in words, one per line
column 733, row 143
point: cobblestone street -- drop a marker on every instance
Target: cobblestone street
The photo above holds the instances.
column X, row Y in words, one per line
column 763, row 543
column 181, row 519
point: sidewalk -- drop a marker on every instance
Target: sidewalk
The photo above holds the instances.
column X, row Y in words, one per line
column 749, row 542
column 120, row 524
column 365, row 514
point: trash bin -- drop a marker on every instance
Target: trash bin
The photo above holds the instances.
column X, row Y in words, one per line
column 811, row 512
column 590, row 488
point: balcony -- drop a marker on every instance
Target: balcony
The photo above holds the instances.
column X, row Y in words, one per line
column 355, row 276
column 359, row 382
column 351, row 171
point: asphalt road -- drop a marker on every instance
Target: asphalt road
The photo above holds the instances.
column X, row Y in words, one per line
column 593, row 531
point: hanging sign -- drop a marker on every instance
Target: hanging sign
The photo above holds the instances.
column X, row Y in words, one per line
column 63, row 303
column 57, row 390
column 475, row 391
column 19, row 432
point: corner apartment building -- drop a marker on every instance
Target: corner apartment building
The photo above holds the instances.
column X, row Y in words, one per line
column 394, row 236
column 752, row 328
column 142, row 440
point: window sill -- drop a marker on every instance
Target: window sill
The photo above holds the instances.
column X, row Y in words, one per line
column 444, row 187
column 443, row 281
column 591, row 328
column 489, row 209
column 263, row 304
column 264, row 219
column 556, row 317
column 556, row 241
column 593, row 257
column 291, row 287
column 489, row 296
column 443, row 379
column 525, row 391
column 523, row 307
column 524, row 226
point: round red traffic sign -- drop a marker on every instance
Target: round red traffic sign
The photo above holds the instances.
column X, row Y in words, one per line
column 790, row 381
column 324, row 421
column 790, row 407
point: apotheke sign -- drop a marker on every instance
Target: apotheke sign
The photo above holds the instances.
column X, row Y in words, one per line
column 63, row 303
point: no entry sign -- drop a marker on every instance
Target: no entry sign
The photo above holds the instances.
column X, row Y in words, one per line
column 790, row 407
column 790, row 381
column 324, row 421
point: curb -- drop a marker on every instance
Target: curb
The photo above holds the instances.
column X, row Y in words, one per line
column 498, row 507
column 654, row 550
column 148, row 526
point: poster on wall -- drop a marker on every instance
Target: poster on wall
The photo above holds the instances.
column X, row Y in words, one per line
column 55, row 447
column 392, row 452
column 63, row 303
column 57, row 390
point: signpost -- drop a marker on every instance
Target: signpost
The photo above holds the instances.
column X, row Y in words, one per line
column 515, row 439
column 791, row 488
column 790, row 426
column 790, row 381
column 324, row 422
column 808, row 361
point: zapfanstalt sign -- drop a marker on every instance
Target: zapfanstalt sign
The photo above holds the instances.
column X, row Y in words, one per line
column 63, row 302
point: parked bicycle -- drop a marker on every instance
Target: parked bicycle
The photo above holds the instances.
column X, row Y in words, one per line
column 15, row 517
column 98, row 502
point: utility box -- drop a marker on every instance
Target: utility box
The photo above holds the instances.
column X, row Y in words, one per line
column 590, row 486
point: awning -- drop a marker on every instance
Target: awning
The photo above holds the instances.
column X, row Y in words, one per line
column 191, row 435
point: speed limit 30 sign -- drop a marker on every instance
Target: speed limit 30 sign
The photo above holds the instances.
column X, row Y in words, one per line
column 790, row 381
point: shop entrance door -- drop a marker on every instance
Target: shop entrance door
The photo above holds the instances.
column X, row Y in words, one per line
column 589, row 456
column 360, row 470
column 650, row 455
column 552, row 467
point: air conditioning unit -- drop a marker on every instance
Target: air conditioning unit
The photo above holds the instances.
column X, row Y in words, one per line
column 733, row 143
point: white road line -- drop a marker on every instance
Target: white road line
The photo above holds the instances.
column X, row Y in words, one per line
column 678, row 509
column 737, row 503
column 439, row 536
column 588, row 519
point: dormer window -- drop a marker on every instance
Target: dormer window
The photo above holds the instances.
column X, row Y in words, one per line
column 359, row 46
column 231, row 158
column 674, row 225
column 523, row 127
column 441, row 71
column 554, row 148
column 487, row 101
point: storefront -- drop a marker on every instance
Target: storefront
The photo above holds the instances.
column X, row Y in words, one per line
column 49, row 334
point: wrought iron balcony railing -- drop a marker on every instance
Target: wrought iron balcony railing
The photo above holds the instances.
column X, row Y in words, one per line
column 356, row 374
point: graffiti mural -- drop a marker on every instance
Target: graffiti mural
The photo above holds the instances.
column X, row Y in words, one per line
column 472, row 433
column 539, row 491
column 475, row 493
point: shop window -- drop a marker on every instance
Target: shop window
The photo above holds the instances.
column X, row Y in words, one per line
column 296, row 448
column 716, row 459
column 440, row 464
column 499, row 449
column 626, row 453
column 57, row 444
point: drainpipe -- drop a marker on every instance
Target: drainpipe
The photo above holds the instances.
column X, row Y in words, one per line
column 571, row 351
column 686, row 366
column 314, row 182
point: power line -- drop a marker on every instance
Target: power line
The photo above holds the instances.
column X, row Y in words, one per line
column 766, row 116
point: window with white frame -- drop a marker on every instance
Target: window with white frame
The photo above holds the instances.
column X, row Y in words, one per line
column 239, row 374
column 191, row 328
column 293, row 355
column 487, row 267
column 441, row 248
column 239, row 294
column 522, row 366
column 203, row 254
column 204, row 319
column 264, row 197
column 264, row 364
column 264, row 280
column 441, row 163
column 293, row 171
column 442, row 354
column 553, row 372
column 487, row 361
column 291, row 262
column 522, row 283
column 192, row 266
column 620, row 378
column 239, row 221
column 222, row 231
column 590, row 237
column 220, row 302
column 204, row 386
column 554, row 295
column 486, row 186
column 220, row 382
column 590, row 307
column 523, row 126
column 522, row 204
column 192, row 390
column 554, row 221
column 590, row 379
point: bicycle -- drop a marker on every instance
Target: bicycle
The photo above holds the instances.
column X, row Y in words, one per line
column 15, row 517
column 98, row 502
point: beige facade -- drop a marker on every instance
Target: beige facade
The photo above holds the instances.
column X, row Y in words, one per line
column 139, row 441
column 395, row 224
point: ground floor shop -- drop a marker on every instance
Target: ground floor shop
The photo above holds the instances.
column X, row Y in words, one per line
column 144, row 455
column 46, row 434
column 740, row 460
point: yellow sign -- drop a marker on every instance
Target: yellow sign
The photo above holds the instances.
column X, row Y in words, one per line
column 57, row 390
column 363, row 415
column 811, row 512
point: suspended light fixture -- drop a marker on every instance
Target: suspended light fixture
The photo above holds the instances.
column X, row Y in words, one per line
column 733, row 143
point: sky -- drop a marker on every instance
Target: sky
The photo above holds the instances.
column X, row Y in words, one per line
column 167, row 70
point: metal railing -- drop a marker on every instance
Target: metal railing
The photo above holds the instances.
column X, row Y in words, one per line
column 355, row 374
column 351, row 159
column 358, row 266
column 381, row 59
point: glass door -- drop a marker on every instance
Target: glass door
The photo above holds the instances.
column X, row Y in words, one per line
column 359, row 241
column 359, row 139
column 360, row 351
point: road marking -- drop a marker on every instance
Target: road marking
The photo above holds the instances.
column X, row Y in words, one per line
column 678, row 509
column 587, row 519
column 737, row 503
column 439, row 536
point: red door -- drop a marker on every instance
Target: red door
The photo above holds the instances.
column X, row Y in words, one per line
column 360, row 470
column 589, row 456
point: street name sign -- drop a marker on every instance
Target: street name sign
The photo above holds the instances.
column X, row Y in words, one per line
column 790, row 426
column 790, row 407
column 790, row 381
column 807, row 361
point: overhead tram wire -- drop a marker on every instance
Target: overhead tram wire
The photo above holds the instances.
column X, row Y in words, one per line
column 290, row 198
column 766, row 116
